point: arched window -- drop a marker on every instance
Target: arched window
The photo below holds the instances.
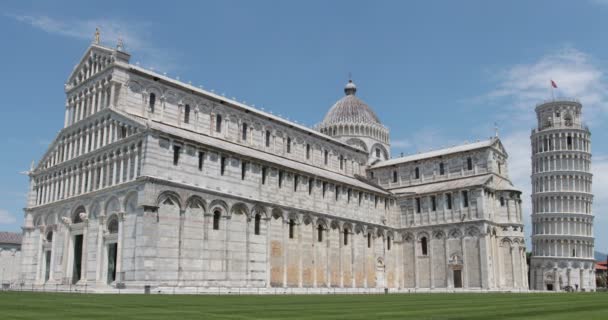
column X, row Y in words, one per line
column 320, row 233
column 502, row 201
column 423, row 246
column 216, row 219
column 151, row 102
column 395, row 176
column 377, row 152
column 388, row 243
column 49, row 236
column 113, row 226
column 292, row 225
column 244, row 134
column 218, row 123
column 267, row 138
column 568, row 120
column 187, row 114
column 345, row 237
column 369, row 240
column 258, row 219
column 77, row 218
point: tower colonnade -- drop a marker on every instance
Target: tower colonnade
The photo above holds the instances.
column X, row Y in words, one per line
column 562, row 217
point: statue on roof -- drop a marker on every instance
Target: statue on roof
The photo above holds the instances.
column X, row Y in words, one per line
column 96, row 36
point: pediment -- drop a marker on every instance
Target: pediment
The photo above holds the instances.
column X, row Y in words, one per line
column 96, row 57
column 500, row 147
column 104, row 114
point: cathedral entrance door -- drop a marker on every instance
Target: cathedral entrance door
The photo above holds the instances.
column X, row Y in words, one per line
column 47, row 266
column 457, row 278
column 112, row 252
column 77, row 259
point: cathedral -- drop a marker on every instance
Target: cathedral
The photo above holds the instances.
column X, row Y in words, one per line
column 157, row 185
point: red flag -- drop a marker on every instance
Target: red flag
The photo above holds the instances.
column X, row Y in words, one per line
column 553, row 84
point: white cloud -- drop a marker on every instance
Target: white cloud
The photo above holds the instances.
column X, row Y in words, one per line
column 521, row 87
column 6, row 217
column 132, row 33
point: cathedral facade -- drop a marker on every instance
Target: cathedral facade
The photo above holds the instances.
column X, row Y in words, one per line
column 154, row 183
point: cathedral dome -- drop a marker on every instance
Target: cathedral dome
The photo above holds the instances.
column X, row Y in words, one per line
column 350, row 110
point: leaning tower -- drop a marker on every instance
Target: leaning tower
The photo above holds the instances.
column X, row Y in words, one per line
column 562, row 221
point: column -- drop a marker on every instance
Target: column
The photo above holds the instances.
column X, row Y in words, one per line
column 136, row 162
column 300, row 271
column 67, row 115
column 512, row 266
column 114, row 164
column 465, row 269
column 483, row 261
column 430, row 257
column 285, row 250
column 90, row 178
column 121, row 167
column 84, row 259
column 268, row 250
column 416, row 280
column 121, row 222
column 112, row 94
column 448, row 275
column 128, row 157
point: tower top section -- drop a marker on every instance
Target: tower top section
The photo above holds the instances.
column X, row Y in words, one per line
column 559, row 114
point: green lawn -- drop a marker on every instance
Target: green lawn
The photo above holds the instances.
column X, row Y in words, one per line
column 573, row 306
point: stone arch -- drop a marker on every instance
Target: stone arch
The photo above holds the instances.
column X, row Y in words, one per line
column 96, row 209
column 357, row 143
column 221, row 205
column 422, row 234
column 335, row 224
column 112, row 206
column 169, row 197
column 196, row 203
column 295, row 217
column 277, row 213
column 51, row 218
column 455, row 234
column 382, row 149
column 348, row 226
column 438, row 234
column 239, row 208
column 259, row 209
column 408, row 237
column 79, row 214
column 130, row 202
column 472, row 232
column 112, row 223
column 39, row 220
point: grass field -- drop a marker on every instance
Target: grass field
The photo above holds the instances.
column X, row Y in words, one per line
column 577, row 306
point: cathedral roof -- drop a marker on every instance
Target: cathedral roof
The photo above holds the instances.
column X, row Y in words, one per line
column 443, row 152
column 10, row 238
column 350, row 109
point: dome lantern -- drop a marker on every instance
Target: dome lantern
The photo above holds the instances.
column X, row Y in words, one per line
column 350, row 88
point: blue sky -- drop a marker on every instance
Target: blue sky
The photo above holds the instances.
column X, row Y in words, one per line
column 437, row 73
